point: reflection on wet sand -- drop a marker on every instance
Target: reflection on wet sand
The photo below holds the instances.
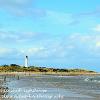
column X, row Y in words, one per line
column 49, row 87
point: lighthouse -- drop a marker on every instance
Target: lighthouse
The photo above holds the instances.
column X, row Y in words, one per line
column 26, row 61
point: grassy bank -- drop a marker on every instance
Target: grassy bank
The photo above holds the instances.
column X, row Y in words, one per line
column 16, row 69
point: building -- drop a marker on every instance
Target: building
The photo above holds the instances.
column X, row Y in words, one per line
column 26, row 61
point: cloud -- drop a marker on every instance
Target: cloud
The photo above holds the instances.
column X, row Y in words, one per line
column 21, row 8
column 4, row 51
column 16, row 4
column 60, row 47
column 68, row 18
column 98, row 44
column 95, row 12
column 33, row 51
column 20, row 36
column 9, row 52
column 89, row 43
column 70, row 48
column 58, row 17
column 79, row 17
column 8, row 35
column 97, row 28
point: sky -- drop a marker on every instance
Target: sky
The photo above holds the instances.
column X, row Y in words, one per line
column 53, row 33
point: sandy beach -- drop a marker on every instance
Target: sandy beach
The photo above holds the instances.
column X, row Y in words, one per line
column 52, row 87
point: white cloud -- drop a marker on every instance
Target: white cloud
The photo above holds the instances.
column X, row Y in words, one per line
column 88, row 42
column 19, row 36
column 32, row 50
column 11, row 55
column 98, row 44
column 4, row 51
column 74, row 45
column 61, row 47
column 9, row 52
column 97, row 28
column 8, row 35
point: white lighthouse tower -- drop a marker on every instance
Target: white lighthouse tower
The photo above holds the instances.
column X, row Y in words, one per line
column 26, row 61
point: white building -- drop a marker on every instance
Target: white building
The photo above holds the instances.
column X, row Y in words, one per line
column 26, row 61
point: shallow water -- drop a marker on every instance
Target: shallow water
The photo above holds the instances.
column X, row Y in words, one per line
column 46, row 87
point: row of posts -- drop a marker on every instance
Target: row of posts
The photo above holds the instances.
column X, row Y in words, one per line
column 15, row 76
column 5, row 78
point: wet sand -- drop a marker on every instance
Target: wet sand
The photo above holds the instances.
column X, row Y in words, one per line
column 2, row 89
column 51, row 87
column 48, row 87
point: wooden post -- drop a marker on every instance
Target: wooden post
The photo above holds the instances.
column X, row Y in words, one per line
column 18, row 77
column 4, row 78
